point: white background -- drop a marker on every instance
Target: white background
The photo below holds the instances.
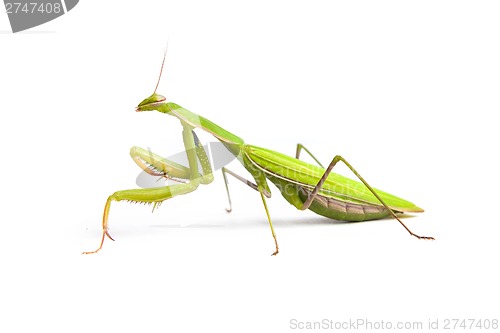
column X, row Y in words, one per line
column 405, row 91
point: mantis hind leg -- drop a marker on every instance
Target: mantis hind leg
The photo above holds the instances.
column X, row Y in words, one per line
column 335, row 160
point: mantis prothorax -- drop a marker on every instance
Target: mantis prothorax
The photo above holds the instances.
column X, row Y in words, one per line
column 303, row 185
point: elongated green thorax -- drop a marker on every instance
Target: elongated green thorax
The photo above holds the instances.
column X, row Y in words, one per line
column 157, row 102
column 230, row 140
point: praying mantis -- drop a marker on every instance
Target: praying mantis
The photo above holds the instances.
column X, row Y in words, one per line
column 303, row 185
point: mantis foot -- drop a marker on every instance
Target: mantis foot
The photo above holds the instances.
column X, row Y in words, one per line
column 277, row 250
column 104, row 234
column 423, row 237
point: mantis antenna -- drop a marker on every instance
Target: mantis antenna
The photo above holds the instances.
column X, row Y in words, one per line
column 161, row 70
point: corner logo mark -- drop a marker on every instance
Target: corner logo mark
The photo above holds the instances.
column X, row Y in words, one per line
column 28, row 14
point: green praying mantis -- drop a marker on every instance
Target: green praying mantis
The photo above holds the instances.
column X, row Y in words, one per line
column 303, row 185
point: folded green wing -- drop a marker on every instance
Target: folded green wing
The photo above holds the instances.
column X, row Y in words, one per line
column 335, row 186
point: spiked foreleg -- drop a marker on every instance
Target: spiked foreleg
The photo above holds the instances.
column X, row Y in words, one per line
column 144, row 195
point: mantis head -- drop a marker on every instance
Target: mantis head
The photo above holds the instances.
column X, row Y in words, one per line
column 153, row 102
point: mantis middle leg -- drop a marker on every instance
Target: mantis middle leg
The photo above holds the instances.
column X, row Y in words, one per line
column 300, row 147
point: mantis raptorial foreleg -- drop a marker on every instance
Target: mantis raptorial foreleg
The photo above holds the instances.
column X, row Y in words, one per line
column 335, row 160
column 144, row 195
column 208, row 176
column 300, row 147
column 158, row 166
